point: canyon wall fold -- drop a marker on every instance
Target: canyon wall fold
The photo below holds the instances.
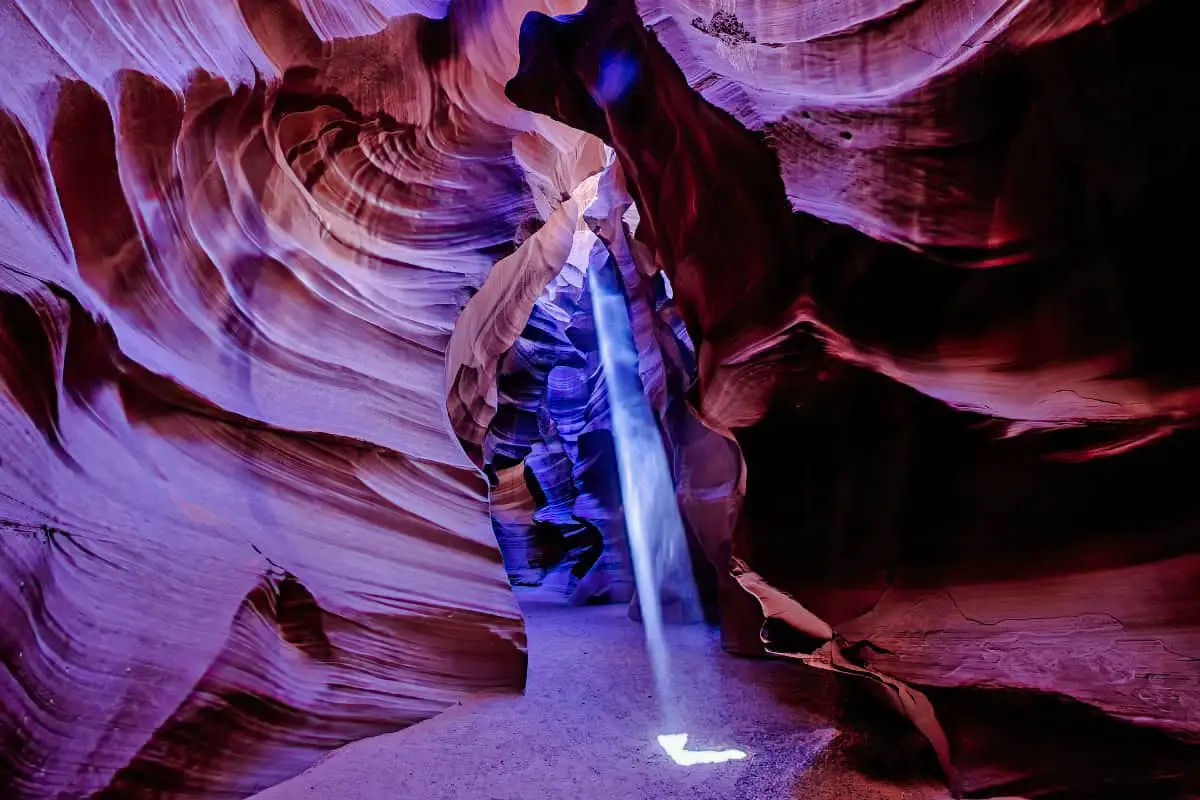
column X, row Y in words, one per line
column 239, row 526
column 928, row 253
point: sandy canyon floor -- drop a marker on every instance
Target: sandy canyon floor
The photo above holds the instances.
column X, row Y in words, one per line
column 588, row 724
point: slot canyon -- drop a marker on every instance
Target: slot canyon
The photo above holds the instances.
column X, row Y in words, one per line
column 599, row 399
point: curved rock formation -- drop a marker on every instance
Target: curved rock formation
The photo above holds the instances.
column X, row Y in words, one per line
column 281, row 281
column 554, row 421
column 239, row 526
column 1002, row 588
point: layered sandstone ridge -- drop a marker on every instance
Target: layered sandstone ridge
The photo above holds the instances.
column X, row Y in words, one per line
column 239, row 527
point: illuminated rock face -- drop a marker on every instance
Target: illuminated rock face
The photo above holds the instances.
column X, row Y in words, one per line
column 550, row 449
column 239, row 528
column 279, row 281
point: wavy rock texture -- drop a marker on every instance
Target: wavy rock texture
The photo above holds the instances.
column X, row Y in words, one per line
column 554, row 420
column 239, row 526
column 280, row 280
column 933, row 306
column 530, row 401
column 559, row 521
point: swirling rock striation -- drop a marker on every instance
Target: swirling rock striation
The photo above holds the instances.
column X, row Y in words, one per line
column 548, row 448
column 553, row 421
column 280, row 280
column 238, row 526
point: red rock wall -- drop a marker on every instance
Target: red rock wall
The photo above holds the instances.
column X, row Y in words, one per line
column 239, row 527
column 260, row 263
column 933, row 292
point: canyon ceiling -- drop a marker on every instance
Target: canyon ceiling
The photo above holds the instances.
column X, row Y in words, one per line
column 298, row 369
